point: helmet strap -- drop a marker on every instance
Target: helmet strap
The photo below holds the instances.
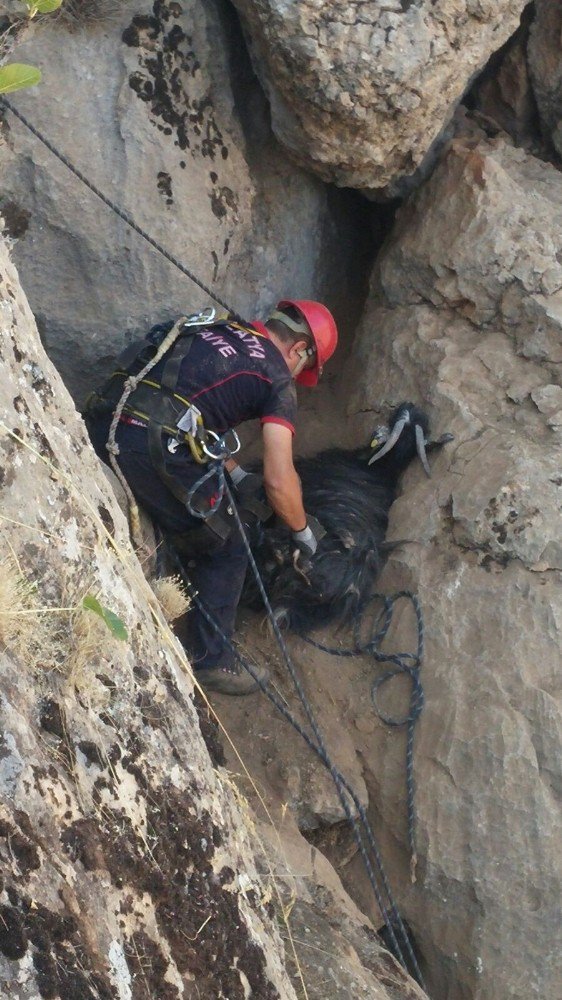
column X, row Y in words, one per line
column 301, row 329
column 304, row 356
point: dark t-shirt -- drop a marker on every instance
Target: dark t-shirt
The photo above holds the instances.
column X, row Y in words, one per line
column 231, row 375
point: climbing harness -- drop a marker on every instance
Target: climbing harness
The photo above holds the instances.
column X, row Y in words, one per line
column 166, row 398
column 216, row 449
column 169, row 418
column 157, row 405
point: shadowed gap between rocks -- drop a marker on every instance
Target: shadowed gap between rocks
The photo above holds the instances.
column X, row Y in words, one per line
column 364, row 224
column 495, row 103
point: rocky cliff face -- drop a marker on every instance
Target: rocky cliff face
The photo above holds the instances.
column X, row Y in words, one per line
column 463, row 316
column 546, row 68
column 127, row 869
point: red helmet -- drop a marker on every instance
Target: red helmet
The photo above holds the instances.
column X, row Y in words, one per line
column 324, row 334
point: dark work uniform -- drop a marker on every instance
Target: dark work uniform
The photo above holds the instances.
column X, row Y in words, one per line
column 230, row 375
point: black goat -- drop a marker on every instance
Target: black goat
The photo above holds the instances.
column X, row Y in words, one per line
column 350, row 492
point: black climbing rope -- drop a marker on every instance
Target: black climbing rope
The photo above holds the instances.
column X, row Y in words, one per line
column 116, row 208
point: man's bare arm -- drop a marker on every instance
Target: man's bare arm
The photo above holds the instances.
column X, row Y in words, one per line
column 282, row 484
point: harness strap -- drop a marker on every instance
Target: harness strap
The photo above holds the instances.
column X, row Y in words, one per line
column 113, row 447
column 247, row 329
column 261, row 510
column 158, row 403
column 148, row 396
column 156, row 453
column 134, row 352
column 173, row 363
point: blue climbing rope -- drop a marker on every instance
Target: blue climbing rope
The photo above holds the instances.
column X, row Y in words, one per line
column 403, row 664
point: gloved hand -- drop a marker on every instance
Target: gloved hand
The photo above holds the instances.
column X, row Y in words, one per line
column 307, row 539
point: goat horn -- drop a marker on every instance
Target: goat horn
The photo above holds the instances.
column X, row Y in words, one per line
column 420, row 448
column 396, row 432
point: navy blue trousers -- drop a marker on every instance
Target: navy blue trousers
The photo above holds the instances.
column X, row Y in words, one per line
column 215, row 569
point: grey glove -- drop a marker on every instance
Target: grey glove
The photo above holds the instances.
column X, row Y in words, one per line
column 307, row 539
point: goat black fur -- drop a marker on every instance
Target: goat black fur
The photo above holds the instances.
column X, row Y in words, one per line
column 352, row 501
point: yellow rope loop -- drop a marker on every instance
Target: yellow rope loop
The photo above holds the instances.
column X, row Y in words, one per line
column 196, row 450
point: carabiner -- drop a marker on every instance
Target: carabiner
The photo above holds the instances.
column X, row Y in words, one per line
column 237, row 445
column 220, row 441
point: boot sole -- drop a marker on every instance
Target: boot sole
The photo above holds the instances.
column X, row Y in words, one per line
column 222, row 686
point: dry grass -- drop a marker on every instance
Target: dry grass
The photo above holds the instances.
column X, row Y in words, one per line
column 23, row 630
column 75, row 13
column 71, row 641
column 89, row 647
column 16, row 596
column 171, row 596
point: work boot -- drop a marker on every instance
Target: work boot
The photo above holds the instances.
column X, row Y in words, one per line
column 231, row 678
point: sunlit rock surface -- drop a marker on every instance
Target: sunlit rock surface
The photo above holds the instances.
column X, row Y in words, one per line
column 360, row 91
column 465, row 317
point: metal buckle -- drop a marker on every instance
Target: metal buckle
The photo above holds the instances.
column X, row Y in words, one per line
column 203, row 318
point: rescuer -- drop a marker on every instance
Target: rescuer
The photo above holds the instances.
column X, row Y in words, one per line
column 217, row 374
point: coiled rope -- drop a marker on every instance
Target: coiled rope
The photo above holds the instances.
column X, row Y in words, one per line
column 404, row 664
column 390, row 913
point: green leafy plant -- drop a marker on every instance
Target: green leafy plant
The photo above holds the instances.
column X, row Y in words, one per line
column 16, row 76
column 113, row 622
column 42, row 6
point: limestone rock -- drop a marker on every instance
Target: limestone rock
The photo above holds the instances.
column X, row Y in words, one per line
column 548, row 398
column 464, row 319
column 545, row 65
column 360, row 91
column 120, row 845
column 159, row 107
column 337, row 950
column 499, row 268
